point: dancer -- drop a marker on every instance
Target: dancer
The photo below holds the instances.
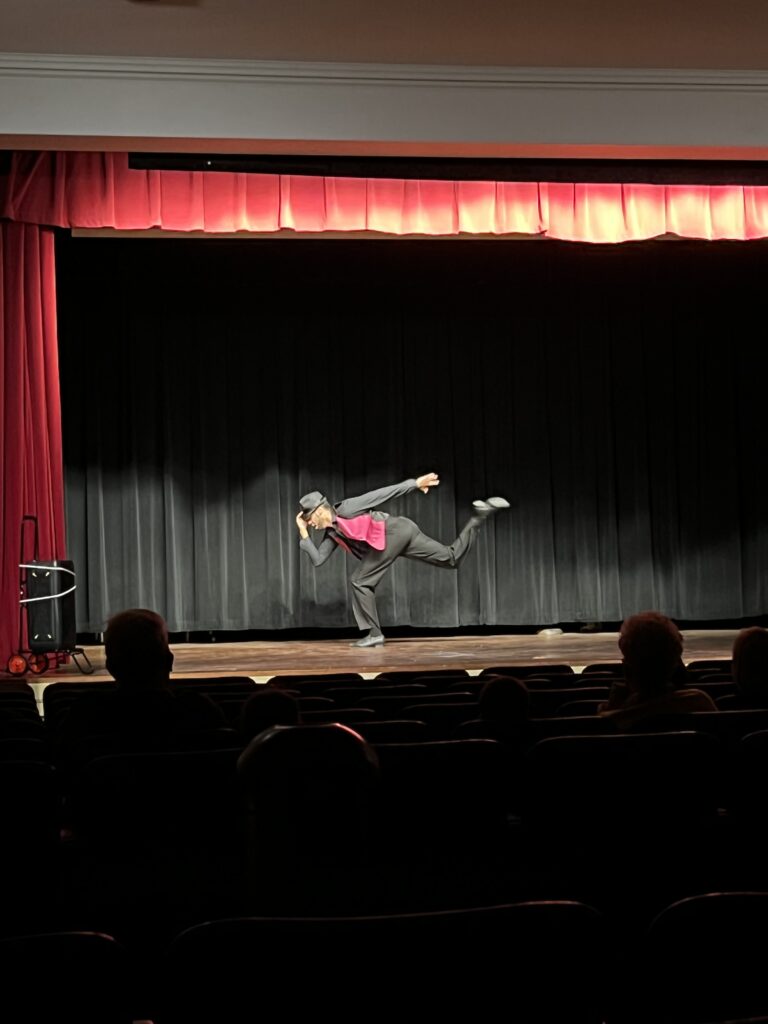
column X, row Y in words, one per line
column 377, row 538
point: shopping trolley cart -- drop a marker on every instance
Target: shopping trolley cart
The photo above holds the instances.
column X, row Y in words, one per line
column 47, row 599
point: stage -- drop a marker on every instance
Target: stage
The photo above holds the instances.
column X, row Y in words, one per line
column 264, row 659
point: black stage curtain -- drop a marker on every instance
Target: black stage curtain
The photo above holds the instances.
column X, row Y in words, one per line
column 614, row 394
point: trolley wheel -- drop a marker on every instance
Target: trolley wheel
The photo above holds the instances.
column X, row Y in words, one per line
column 16, row 665
column 38, row 663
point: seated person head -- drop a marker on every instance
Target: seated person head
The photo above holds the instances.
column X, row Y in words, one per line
column 750, row 662
column 265, row 708
column 652, row 648
column 136, row 649
column 308, row 782
column 504, row 700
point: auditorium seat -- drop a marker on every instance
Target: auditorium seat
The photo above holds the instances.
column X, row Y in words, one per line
column 521, row 671
column 535, row 962
column 703, row 960
column 71, row 976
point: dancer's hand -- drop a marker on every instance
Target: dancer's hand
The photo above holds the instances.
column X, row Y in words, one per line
column 302, row 525
column 427, row 481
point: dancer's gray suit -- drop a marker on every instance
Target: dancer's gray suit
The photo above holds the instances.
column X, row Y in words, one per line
column 403, row 539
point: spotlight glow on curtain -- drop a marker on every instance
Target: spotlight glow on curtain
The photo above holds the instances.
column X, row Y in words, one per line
column 96, row 190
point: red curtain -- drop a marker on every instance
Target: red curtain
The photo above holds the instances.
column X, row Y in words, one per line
column 93, row 190
column 30, row 410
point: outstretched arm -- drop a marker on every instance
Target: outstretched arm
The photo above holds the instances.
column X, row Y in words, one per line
column 372, row 499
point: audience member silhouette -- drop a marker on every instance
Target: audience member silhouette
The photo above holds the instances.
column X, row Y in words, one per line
column 652, row 649
column 265, row 708
column 143, row 712
column 503, row 706
column 750, row 668
column 310, row 791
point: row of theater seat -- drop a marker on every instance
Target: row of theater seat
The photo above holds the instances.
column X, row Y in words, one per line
column 642, row 812
column 431, row 796
column 700, row 960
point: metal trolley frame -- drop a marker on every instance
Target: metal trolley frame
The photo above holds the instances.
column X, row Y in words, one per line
column 41, row 657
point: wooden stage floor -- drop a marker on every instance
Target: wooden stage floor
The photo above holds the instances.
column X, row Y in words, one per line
column 264, row 659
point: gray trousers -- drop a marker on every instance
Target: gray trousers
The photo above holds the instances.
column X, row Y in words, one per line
column 404, row 539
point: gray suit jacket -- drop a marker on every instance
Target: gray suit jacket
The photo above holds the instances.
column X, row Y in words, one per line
column 348, row 509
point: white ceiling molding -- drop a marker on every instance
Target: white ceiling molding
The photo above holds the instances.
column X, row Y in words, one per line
column 153, row 68
column 178, row 101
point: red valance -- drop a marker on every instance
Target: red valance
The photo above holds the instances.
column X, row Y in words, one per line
column 97, row 190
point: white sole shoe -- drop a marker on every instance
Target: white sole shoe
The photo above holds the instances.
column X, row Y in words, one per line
column 368, row 641
column 485, row 508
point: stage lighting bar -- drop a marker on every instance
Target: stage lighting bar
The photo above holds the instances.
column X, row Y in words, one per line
column 652, row 172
